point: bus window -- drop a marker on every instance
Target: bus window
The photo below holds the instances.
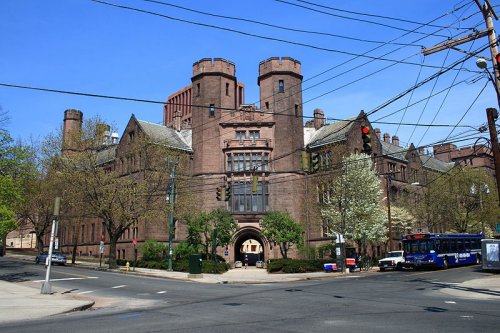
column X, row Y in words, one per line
column 446, row 245
column 453, row 245
column 466, row 245
column 460, row 245
column 437, row 244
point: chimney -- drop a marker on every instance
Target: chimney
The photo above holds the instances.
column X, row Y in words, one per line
column 177, row 120
column 72, row 128
column 114, row 138
column 387, row 138
column 377, row 132
column 319, row 118
column 395, row 140
column 421, row 151
column 102, row 133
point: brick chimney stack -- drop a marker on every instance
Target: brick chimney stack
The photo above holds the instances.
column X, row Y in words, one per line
column 387, row 138
column 395, row 140
column 319, row 118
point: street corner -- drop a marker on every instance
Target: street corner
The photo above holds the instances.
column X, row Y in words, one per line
column 482, row 289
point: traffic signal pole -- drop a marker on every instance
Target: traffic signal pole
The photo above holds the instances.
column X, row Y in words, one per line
column 171, row 218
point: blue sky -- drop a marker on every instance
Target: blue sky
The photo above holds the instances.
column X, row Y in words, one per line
column 89, row 47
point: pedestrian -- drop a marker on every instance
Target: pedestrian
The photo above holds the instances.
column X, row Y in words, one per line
column 246, row 261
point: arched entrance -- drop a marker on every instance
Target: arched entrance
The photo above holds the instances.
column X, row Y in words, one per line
column 249, row 242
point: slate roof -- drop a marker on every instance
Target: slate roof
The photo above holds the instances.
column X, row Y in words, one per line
column 393, row 151
column 167, row 135
column 399, row 153
column 328, row 134
column 107, row 154
column 435, row 164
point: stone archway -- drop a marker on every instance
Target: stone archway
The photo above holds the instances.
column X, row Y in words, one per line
column 249, row 242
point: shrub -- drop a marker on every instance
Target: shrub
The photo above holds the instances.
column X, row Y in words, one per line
column 153, row 250
column 295, row 265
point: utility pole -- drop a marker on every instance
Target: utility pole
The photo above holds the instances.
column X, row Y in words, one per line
column 492, row 115
column 389, row 220
column 46, row 286
column 171, row 199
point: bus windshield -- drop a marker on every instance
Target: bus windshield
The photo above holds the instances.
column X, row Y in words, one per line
column 419, row 246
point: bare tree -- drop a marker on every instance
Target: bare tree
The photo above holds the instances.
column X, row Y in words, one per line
column 119, row 187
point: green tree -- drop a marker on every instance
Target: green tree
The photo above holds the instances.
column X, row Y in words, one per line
column 16, row 170
column 463, row 200
column 280, row 228
column 351, row 204
column 402, row 220
column 201, row 229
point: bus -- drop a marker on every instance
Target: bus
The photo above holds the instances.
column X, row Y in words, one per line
column 434, row 250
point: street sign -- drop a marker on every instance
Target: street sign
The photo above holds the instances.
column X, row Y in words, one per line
column 101, row 247
column 340, row 238
column 56, row 243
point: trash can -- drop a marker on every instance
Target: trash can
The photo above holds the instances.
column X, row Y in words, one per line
column 195, row 264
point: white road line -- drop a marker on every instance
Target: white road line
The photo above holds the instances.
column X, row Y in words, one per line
column 450, row 302
column 86, row 292
column 120, row 286
column 65, row 279
column 162, row 292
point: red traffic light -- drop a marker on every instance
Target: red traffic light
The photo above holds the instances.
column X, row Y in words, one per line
column 365, row 129
column 497, row 58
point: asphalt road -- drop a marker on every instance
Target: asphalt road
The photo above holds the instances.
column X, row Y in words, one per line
column 422, row 301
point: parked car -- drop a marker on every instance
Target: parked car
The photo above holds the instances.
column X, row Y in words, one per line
column 238, row 264
column 394, row 259
column 57, row 258
column 259, row 264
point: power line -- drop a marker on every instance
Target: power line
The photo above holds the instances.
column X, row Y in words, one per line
column 374, row 15
column 253, row 35
column 354, row 19
column 351, row 38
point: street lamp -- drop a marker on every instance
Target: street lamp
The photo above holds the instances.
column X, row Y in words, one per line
column 482, row 63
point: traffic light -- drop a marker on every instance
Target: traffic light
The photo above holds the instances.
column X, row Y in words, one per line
column 228, row 193
column 218, row 194
column 255, row 183
column 367, row 140
column 315, row 159
column 305, row 161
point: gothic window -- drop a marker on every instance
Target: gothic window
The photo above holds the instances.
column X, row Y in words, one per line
column 241, row 135
column 254, row 135
column 244, row 200
column 281, row 86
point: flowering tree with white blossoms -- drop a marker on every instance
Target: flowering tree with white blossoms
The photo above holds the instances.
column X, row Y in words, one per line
column 352, row 202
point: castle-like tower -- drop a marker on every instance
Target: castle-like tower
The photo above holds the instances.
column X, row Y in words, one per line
column 72, row 127
column 213, row 92
column 280, row 85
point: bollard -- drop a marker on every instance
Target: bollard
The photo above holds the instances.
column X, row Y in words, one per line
column 127, row 266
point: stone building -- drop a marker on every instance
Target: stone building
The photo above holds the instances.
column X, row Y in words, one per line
column 231, row 144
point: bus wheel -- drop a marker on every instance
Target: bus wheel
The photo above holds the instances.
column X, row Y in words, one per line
column 445, row 263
